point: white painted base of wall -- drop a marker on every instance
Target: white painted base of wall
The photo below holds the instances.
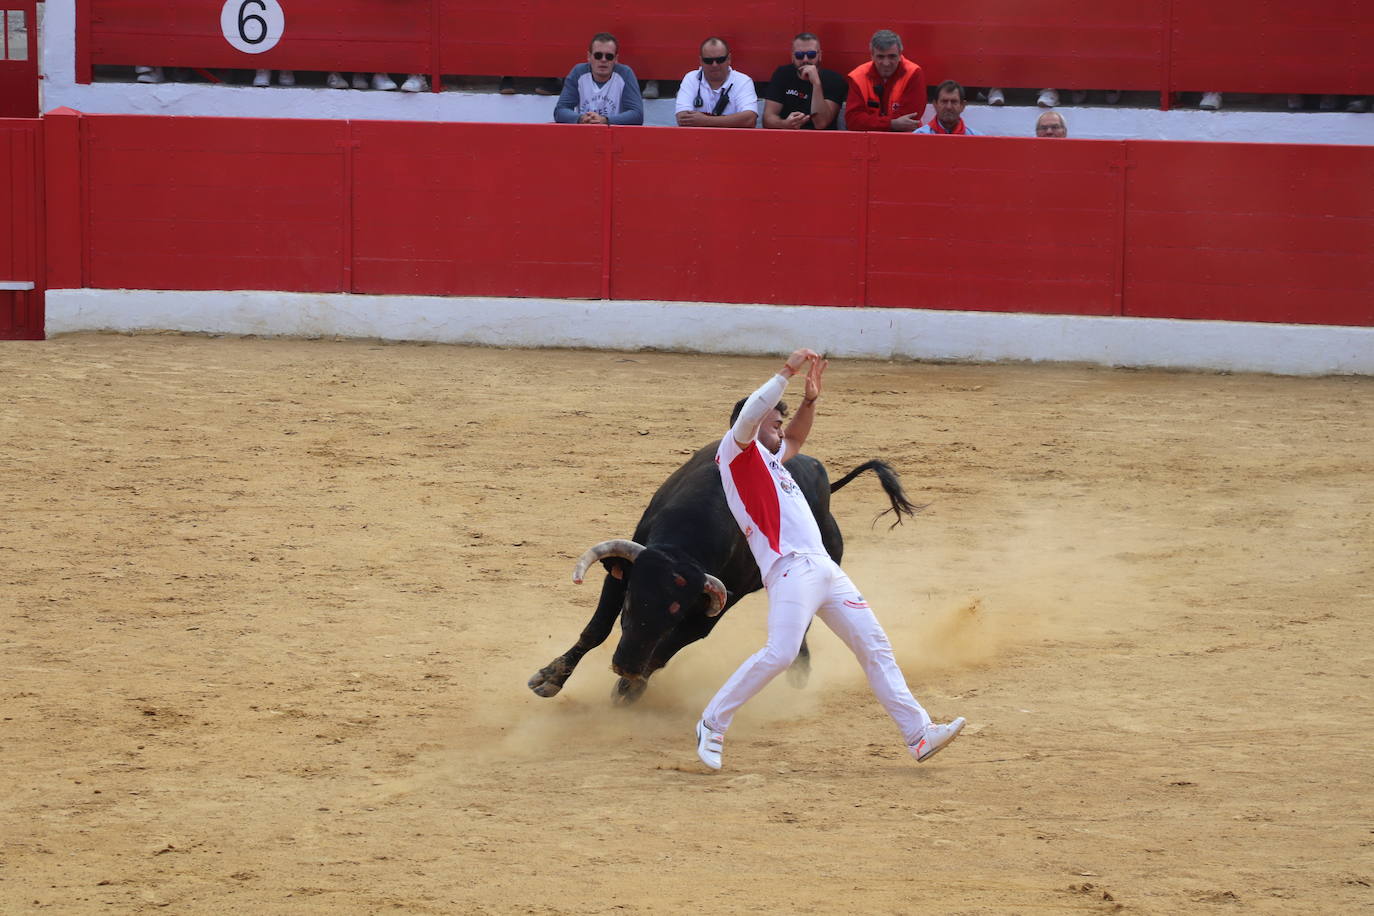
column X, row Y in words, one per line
column 720, row 328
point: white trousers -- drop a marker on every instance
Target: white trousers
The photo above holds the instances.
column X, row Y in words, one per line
column 802, row 586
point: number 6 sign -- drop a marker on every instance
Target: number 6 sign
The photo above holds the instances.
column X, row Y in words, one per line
column 252, row 26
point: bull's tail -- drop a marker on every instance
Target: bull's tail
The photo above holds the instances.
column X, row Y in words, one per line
column 892, row 486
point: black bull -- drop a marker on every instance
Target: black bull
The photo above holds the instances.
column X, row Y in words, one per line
column 687, row 564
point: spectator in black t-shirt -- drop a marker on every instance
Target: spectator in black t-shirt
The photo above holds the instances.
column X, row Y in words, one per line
column 802, row 96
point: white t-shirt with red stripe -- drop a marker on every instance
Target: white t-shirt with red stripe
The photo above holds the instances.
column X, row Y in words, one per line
column 767, row 503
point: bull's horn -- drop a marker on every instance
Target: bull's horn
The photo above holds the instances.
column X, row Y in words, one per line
column 716, row 589
column 620, row 547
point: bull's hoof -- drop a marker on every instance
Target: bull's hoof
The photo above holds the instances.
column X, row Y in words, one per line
column 627, row 690
column 799, row 672
column 546, row 682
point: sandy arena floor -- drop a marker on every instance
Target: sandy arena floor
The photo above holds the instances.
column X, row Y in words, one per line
column 269, row 608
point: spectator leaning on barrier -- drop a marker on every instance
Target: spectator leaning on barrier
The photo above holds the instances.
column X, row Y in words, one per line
column 888, row 92
column 715, row 95
column 801, row 95
column 949, row 112
column 1051, row 124
column 600, row 91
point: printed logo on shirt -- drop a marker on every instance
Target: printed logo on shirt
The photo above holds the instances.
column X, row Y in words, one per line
column 798, row 93
column 787, row 485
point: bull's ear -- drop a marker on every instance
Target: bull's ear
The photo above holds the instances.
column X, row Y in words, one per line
column 614, row 567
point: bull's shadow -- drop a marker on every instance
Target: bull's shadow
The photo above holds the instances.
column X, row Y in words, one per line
column 687, row 564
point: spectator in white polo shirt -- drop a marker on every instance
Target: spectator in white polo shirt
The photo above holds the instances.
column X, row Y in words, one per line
column 716, row 95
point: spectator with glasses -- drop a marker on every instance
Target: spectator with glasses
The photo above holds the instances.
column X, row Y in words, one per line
column 888, row 92
column 1051, row 124
column 801, row 95
column 716, row 95
column 600, row 91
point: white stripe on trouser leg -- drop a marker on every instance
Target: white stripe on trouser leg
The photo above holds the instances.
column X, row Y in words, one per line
column 856, row 624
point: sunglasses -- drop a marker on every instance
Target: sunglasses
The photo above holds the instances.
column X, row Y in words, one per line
column 809, row 55
column 715, row 60
column 603, row 55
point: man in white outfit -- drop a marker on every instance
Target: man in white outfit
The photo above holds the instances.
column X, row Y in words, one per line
column 800, row 578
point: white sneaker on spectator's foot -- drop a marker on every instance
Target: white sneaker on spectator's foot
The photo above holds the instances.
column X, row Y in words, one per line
column 262, row 78
column 934, row 738
column 650, row 90
column 1356, row 106
column 1049, row 98
column 151, row 75
column 1079, row 96
column 710, row 744
column 1211, row 101
column 335, row 80
column 1294, row 101
column 382, row 82
column 360, row 81
column 286, row 77
column 996, row 97
column 415, row 82
column 1113, row 96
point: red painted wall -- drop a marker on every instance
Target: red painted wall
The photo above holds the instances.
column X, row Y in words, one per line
column 1228, row 45
column 22, row 245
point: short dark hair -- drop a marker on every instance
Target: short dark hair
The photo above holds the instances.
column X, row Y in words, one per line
column 711, row 40
column 780, row 407
column 604, row 36
column 806, row 36
column 949, row 85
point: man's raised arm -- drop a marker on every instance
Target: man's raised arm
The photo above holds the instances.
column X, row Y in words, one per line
column 795, row 436
column 766, row 397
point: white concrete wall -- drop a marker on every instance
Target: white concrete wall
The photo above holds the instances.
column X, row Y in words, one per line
column 60, row 89
column 717, row 328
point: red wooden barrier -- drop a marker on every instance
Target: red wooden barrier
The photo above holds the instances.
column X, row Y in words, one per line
column 21, row 231
column 750, row 217
column 1228, row 45
column 1273, row 46
column 980, row 225
column 1252, row 232
column 1256, row 232
column 215, row 203
column 479, row 209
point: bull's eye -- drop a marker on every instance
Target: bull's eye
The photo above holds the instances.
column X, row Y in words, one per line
column 674, row 608
column 681, row 582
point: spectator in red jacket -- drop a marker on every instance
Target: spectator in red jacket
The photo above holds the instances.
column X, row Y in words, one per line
column 888, row 92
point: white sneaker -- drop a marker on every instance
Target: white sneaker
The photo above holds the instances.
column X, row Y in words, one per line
column 650, row 89
column 935, row 737
column 996, row 97
column 1357, row 106
column 709, row 745
column 151, row 75
column 335, row 80
column 1049, row 98
column 262, row 78
column 286, row 77
column 415, row 82
column 1211, row 101
column 360, row 81
column 382, row 82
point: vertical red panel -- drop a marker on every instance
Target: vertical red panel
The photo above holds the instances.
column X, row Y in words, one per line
column 479, row 209
column 998, row 224
column 21, row 231
column 1250, row 232
column 737, row 216
column 64, row 185
column 216, row 203
column 1273, row 46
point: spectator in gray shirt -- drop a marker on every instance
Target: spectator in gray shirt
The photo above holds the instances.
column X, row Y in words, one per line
column 600, row 91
